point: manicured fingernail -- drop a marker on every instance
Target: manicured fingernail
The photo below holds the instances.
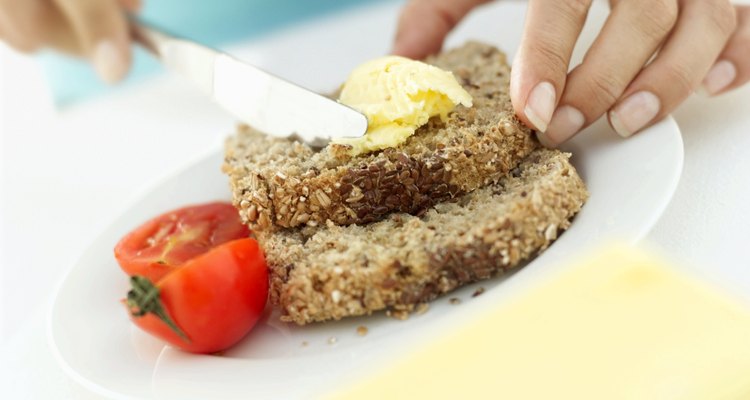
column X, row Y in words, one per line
column 540, row 105
column 634, row 113
column 721, row 75
column 108, row 62
column 566, row 122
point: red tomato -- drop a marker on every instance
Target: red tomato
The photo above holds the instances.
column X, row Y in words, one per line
column 208, row 304
column 166, row 242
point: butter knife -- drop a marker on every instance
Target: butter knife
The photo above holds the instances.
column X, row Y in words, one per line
column 265, row 102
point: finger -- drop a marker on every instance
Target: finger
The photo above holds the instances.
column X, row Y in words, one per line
column 13, row 18
column 102, row 28
column 732, row 70
column 701, row 32
column 424, row 24
column 2, row 29
column 23, row 23
column 629, row 37
column 130, row 6
column 538, row 75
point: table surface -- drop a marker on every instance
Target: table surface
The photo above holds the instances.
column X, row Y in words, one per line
column 66, row 174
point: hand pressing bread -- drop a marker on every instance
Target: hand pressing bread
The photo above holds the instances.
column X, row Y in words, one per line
column 695, row 45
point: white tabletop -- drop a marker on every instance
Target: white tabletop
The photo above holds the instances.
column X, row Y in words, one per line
column 67, row 174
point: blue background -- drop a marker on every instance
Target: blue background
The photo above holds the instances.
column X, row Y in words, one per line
column 215, row 23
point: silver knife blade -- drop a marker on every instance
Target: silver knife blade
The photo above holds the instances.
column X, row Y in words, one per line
column 264, row 101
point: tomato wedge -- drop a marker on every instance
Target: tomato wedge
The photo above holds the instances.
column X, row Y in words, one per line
column 209, row 303
column 166, row 242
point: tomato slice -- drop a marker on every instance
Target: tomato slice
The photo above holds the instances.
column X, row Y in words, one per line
column 164, row 243
column 208, row 304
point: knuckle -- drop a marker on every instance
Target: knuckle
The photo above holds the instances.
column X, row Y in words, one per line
column 551, row 58
column 574, row 7
column 722, row 15
column 658, row 18
column 603, row 90
column 681, row 81
column 571, row 12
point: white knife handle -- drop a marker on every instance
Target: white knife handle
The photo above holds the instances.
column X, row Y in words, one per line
column 197, row 64
column 266, row 102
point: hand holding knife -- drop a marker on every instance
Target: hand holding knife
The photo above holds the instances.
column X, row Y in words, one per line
column 264, row 101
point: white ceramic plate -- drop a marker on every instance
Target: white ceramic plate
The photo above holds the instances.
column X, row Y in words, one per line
column 630, row 182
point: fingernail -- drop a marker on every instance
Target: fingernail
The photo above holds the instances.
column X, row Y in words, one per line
column 634, row 113
column 109, row 62
column 540, row 105
column 721, row 75
column 566, row 122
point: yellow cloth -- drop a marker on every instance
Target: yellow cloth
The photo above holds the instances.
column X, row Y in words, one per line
column 620, row 325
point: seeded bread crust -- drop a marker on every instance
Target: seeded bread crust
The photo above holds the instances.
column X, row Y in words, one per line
column 331, row 272
column 283, row 183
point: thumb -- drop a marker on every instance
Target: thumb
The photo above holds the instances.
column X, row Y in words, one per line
column 424, row 24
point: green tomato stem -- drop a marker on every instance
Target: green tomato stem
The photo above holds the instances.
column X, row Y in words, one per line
column 143, row 298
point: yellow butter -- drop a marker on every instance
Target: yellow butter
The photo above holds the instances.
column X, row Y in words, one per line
column 621, row 325
column 398, row 95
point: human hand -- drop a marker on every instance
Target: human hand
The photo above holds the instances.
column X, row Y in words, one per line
column 93, row 29
column 648, row 58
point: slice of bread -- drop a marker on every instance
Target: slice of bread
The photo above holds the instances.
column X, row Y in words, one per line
column 283, row 183
column 331, row 271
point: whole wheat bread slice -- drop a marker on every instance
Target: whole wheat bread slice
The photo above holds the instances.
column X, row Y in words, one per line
column 331, row 271
column 284, row 183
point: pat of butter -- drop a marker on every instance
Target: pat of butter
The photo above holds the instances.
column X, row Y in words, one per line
column 398, row 95
column 621, row 325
